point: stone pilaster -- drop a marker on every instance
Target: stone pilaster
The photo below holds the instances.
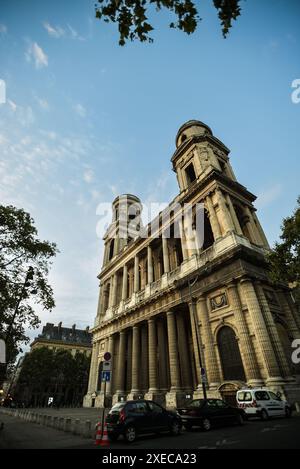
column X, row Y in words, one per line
column 261, row 333
column 291, row 322
column 110, row 349
column 212, row 367
column 248, row 355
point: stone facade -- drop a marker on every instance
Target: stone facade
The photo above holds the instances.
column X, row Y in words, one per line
column 64, row 338
column 168, row 307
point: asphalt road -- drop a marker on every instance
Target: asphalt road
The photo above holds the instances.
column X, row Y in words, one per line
column 278, row 433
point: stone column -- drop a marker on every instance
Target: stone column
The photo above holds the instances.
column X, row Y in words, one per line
column 165, row 255
column 234, row 215
column 173, row 353
column 271, row 326
column 135, row 388
column 224, row 212
column 110, row 349
column 144, row 358
column 124, row 283
column 184, row 358
column 212, row 368
column 120, row 378
column 149, row 264
column 184, row 249
column 114, row 290
column 163, row 357
column 261, row 231
column 255, row 236
column 248, row 355
column 213, row 218
column 261, row 333
column 195, row 344
column 93, row 369
column 152, row 341
column 136, row 274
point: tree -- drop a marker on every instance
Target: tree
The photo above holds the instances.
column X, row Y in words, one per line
column 24, row 268
column 131, row 16
column 47, row 373
column 285, row 257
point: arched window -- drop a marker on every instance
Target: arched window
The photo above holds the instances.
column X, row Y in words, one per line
column 106, row 293
column 230, row 355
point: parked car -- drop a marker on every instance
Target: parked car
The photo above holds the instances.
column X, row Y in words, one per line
column 210, row 412
column 263, row 403
column 133, row 418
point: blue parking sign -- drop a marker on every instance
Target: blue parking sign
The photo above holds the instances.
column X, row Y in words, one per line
column 105, row 376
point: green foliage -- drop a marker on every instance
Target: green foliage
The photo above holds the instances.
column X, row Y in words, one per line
column 131, row 16
column 285, row 257
column 24, row 268
column 46, row 373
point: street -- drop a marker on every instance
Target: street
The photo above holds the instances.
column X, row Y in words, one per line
column 277, row 433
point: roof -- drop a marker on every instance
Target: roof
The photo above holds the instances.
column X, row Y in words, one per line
column 67, row 335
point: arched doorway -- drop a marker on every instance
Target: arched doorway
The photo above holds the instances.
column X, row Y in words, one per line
column 230, row 355
column 228, row 391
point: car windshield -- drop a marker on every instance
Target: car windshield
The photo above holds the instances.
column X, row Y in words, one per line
column 196, row 403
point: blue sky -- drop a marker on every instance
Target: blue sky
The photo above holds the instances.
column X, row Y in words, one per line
column 85, row 119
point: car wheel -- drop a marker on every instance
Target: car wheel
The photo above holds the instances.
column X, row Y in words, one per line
column 130, row 434
column 206, row 424
column 113, row 436
column 264, row 415
column 240, row 420
column 175, row 428
column 288, row 412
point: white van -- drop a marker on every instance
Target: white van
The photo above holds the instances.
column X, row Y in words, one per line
column 263, row 403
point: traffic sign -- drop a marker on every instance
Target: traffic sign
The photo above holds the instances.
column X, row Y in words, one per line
column 106, row 366
column 106, row 376
column 107, row 356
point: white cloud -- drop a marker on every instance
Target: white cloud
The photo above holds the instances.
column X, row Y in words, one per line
column 75, row 34
column 88, row 175
column 54, row 31
column 36, row 54
column 57, row 31
column 269, row 195
column 3, row 29
column 80, row 110
column 43, row 103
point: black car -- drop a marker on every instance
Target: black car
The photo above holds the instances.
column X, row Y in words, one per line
column 133, row 418
column 210, row 412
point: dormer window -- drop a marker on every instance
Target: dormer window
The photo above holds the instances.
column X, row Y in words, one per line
column 190, row 174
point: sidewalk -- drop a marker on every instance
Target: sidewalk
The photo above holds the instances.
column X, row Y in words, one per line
column 79, row 421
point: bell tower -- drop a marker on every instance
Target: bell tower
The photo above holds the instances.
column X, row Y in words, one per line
column 201, row 161
column 126, row 221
